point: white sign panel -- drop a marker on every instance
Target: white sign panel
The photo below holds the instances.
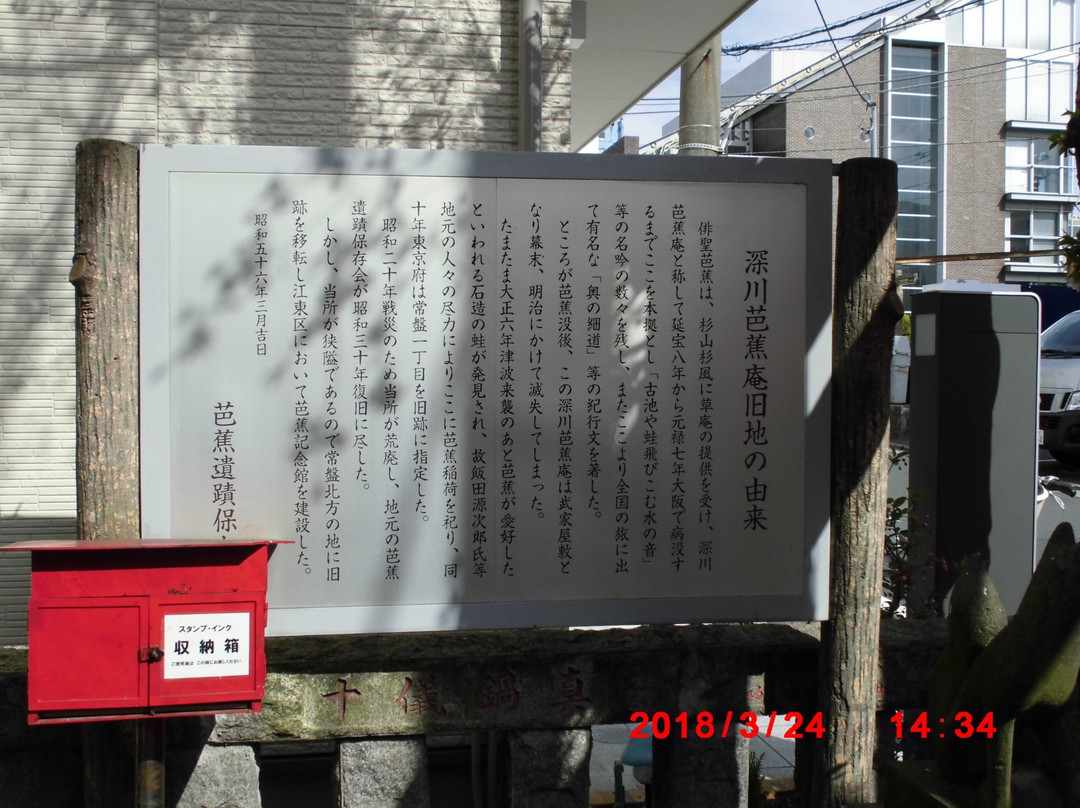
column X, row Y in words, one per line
column 492, row 390
column 201, row 646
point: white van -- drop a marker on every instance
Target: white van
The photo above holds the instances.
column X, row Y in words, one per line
column 1059, row 389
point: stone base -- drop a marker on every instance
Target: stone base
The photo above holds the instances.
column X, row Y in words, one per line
column 550, row 768
column 384, row 773
column 223, row 775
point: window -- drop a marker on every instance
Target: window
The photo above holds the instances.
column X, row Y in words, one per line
column 1029, row 24
column 914, row 138
column 1033, row 229
column 1032, row 166
column 1039, row 90
column 1015, row 25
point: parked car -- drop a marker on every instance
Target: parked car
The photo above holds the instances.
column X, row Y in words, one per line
column 1059, row 389
column 901, row 368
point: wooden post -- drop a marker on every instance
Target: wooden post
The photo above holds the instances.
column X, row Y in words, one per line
column 105, row 273
column 866, row 310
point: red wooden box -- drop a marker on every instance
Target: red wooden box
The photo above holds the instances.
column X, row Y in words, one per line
column 129, row 629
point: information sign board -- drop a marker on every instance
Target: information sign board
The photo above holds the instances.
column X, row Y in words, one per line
column 492, row 389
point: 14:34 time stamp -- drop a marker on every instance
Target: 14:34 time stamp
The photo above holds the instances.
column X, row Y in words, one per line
column 794, row 726
column 959, row 725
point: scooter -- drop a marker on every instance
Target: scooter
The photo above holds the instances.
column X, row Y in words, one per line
column 1050, row 486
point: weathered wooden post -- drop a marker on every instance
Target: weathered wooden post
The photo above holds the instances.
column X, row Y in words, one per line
column 105, row 273
column 866, row 310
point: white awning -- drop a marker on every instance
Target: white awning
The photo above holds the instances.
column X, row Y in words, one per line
column 629, row 47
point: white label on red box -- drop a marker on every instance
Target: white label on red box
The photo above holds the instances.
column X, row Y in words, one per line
column 199, row 646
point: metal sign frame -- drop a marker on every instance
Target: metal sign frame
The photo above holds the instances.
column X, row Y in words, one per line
column 185, row 191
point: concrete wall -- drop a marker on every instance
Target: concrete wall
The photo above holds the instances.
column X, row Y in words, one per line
column 395, row 73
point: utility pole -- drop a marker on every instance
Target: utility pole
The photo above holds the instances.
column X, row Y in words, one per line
column 531, row 76
column 699, row 102
column 695, row 771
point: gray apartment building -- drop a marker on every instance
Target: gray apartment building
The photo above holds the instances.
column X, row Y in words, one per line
column 963, row 96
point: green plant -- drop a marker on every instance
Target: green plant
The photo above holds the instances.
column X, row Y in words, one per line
column 908, row 562
column 755, row 783
column 1059, row 140
column 1065, row 143
column 1070, row 248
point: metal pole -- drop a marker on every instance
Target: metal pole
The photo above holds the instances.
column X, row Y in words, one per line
column 531, row 76
column 874, row 149
column 150, row 763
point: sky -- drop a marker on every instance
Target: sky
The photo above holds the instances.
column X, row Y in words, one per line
column 765, row 20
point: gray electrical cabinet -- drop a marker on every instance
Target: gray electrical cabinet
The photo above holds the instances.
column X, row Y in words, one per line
column 974, row 385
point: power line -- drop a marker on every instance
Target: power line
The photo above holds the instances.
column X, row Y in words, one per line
column 740, row 49
column 871, row 105
column 836, row 149
column 782, row 43
column 934, row 79
column 808, row 95
column 926, row 144
column 836, row 48
column 822, row 67
column 980, row 75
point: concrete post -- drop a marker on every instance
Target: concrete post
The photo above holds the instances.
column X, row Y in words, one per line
column 691, row 771
column 384, row 773
column 223, row 775
column 705, row 770
column 699, row 103
column 531, row 75
column 550, row 768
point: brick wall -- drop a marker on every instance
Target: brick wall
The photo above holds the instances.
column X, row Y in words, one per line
column 423, row 74
column 975, row 163
column 836, row 111
column 770, row 131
